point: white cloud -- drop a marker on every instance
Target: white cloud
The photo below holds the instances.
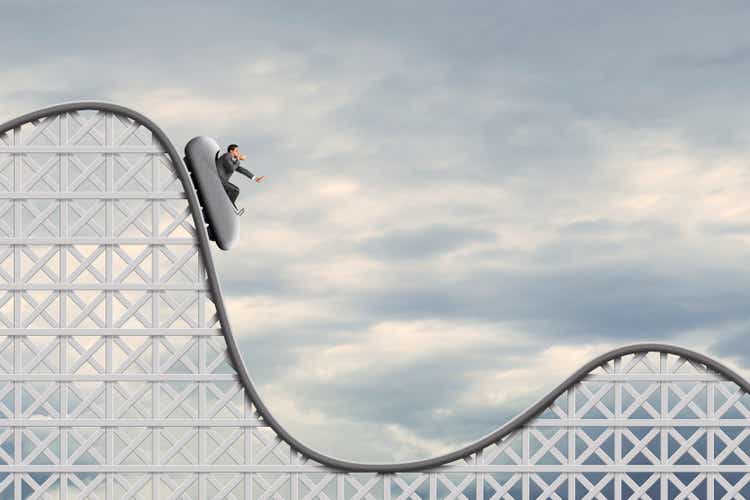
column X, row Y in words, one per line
column 255, row 315
column 390, row 344
column 531, row 378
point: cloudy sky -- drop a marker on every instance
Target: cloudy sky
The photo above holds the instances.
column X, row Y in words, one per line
column 463, row 203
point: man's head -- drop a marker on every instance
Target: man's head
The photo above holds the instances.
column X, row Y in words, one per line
column 234, row 150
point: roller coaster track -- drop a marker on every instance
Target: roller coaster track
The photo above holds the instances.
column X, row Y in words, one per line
column 120, row 376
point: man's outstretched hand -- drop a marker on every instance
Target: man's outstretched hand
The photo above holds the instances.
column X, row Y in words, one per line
column 259, row 179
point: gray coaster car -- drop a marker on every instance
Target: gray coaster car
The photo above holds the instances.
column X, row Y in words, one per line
column 218, row 210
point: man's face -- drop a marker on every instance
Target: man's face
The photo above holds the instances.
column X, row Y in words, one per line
column 235, row 152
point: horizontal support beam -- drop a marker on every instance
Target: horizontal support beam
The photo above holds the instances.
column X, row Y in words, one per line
column 161, row 469
column 640, row 422
column 93, row 240
column 110, row 332
column 539, row 469
column 146, row 422
column 118, row 377
column 106, row 286
column 656, row 377
column 281, row 468
column 76, row 149
column 98, row 195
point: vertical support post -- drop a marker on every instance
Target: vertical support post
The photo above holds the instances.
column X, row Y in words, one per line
column 108, row 296
column 64, row 159
column 202, row 412
column 387, row 478
column 17, row 320
column 479, row 476
column 663, row 432
column 293, row 476
column 248, row 438
column 340, row 486
column 572, row 429
column 617, row 476
column 526, row 486
column 710, row 436
column 155, row 324
column 203, row 386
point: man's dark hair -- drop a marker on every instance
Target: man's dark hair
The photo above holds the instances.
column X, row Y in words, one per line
column 232, row 147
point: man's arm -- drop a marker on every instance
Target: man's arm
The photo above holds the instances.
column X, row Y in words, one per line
column 246, row 172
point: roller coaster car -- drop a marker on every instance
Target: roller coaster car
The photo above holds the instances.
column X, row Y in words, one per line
column 219, row 212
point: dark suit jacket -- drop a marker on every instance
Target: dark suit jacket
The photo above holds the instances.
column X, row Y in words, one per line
column 226, row 165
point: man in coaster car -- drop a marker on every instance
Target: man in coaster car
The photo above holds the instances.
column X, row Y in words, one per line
column 226, row 165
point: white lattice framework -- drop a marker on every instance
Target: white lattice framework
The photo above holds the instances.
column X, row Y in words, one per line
column 116, row 381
